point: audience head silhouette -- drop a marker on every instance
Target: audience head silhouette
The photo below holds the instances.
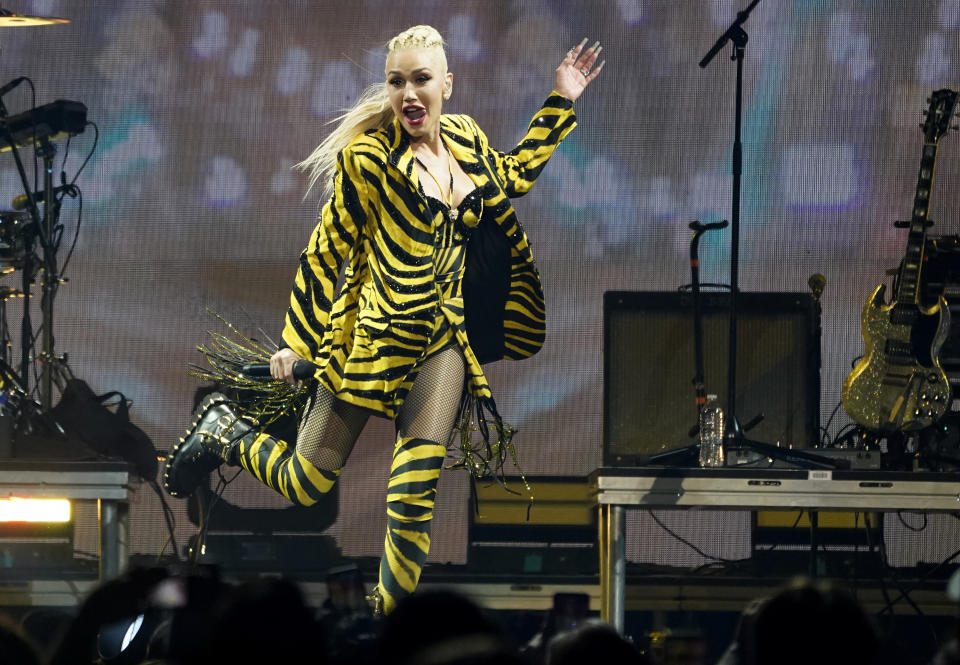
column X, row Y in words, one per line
column 808, row 621
column 593, row 642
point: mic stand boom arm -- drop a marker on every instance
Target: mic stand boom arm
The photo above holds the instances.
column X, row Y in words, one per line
column 734, row 32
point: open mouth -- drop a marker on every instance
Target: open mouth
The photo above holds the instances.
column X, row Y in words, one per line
column 414, row 114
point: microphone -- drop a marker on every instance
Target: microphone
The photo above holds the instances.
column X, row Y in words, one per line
column 11, row 85
column 302, row 369
column 816, row 284
column 22, row 201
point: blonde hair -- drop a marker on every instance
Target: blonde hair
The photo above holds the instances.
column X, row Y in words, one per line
column 372, row 110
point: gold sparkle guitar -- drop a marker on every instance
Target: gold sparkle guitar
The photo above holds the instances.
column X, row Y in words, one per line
column 899, row 384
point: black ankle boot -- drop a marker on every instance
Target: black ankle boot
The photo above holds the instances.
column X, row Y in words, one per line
column 212, row 439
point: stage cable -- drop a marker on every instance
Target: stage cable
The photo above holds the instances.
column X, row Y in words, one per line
column 928, row 574
column 796, row 523
column 170, row 522
column 883, row 583
column 33, row 107
column 904, row 594
column 693, row 547
column 204, row 516
column 825, row 429
column 79, row 192
column 909, row 527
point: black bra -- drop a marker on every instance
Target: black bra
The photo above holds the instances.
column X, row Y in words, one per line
column 470, row 203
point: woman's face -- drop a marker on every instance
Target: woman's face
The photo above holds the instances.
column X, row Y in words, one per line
column 418, row 83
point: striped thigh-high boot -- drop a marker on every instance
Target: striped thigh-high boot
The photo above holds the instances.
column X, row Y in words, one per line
column 221, row 435
column 411, row 492
column 288, row 472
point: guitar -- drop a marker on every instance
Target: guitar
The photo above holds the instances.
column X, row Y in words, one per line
column 899, row 384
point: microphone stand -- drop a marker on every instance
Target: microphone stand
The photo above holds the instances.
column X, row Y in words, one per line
column 42, row 230
column 26, row 334
column 739, row 37
column 736, row 34
column 690, row 454
column 698, row 380
column 51, row 277
column 23, row 408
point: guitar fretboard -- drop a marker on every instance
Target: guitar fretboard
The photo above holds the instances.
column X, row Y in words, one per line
column 908, row 288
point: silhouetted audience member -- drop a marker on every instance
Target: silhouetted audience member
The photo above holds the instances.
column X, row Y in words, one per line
column 567, row 612
column 441, row 627
column 593, row 642
column 808, row 622
column 347, row 617
column 45, row 627
column 682, row 646
column 115, row 600
column 159, row 614
column 261, row 621
column 15, row 647
column 468, row 650
column 949, row 653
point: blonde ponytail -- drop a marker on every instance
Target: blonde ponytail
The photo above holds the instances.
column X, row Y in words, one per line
column 372, row 111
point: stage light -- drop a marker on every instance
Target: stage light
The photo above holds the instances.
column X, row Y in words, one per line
column 35, row 535
column 16, row 509
column 132, row 631
column 126, row 642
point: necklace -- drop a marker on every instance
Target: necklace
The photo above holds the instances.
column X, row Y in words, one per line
column 452, row 213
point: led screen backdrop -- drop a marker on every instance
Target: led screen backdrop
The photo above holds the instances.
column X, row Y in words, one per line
column 190, row 202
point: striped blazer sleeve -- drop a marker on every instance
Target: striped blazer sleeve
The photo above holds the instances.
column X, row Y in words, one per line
column 518, row 168
column 338, row 229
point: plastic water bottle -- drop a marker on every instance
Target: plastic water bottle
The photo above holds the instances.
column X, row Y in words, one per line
column 712, row 431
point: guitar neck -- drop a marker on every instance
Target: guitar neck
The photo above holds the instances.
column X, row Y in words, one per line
column 908, row 286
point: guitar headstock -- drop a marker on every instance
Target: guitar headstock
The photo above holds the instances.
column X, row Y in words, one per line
column 939, row 114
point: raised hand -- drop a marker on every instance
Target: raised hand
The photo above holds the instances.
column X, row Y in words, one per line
column 577, row 70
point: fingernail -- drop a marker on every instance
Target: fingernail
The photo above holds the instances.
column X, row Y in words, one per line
column 600, row 66
column 585, row 40
column 599, row 48
column 595, row 44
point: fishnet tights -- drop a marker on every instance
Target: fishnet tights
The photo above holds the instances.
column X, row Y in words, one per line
column 330, row 427
column 430, row 408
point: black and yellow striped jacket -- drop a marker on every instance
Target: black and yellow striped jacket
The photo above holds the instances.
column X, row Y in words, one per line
column 372, row 332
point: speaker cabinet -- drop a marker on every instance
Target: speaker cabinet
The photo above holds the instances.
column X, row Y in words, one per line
column 555, row 534
column 649, row 397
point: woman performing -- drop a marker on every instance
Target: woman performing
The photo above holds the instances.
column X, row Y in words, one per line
column 418, row 200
